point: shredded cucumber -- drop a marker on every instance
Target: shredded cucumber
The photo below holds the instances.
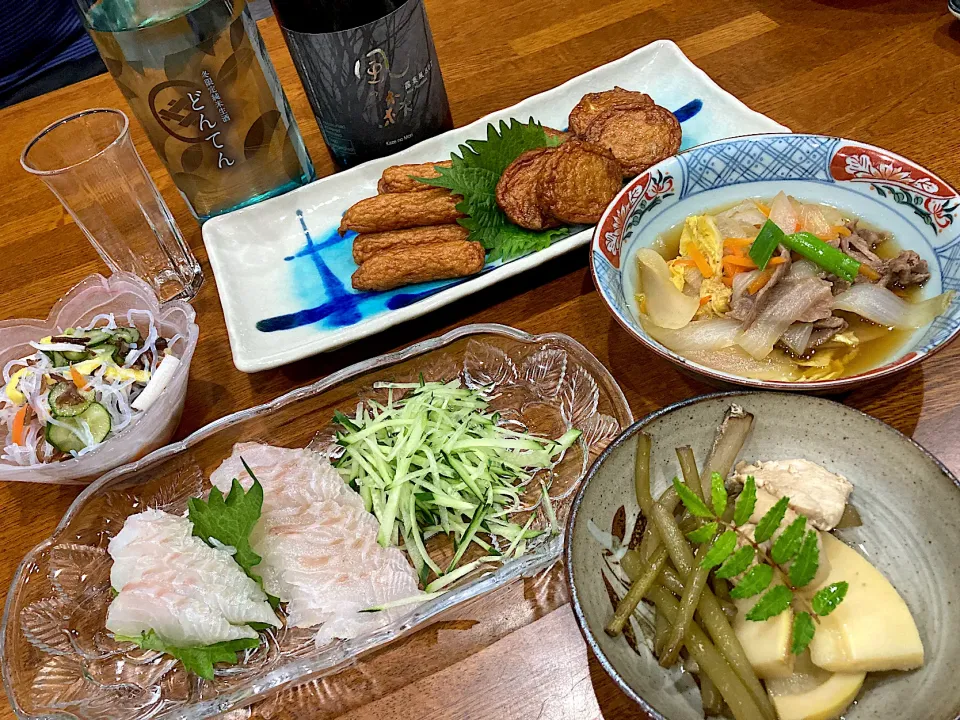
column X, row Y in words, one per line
column 438, row 460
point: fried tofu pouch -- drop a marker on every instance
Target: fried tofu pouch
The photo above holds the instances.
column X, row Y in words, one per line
column 401, row 178
column 367, row 245
column 592, row 104
column 578, row 182
column 518, row 191
column 398, row 211
column 639, row 136
column 410, row 265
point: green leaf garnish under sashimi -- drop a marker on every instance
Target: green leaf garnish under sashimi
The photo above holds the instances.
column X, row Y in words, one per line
column 198, row 660
column 230, row 520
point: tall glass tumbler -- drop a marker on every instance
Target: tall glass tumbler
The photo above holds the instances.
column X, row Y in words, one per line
column 88, row 161
column 199, row 80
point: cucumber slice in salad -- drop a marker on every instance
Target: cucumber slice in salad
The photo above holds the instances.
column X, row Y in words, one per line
column 66, row 400
column 97, row 337
column 76, row 355
column 68, row 435
column 129, row 334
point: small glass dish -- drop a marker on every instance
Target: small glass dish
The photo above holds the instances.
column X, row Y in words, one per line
column 59, row 661
column 92, row 296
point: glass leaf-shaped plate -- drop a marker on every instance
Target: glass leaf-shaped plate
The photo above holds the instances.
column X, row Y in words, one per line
column 60, row 662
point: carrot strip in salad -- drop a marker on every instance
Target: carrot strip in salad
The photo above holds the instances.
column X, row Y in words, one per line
column 761, row 280
column 19, row 422
column 684, row 262
column 702, row 265
column 763, row 208
column 79, row 380
column 704, row 300
column 842, row 230
column 727, row 280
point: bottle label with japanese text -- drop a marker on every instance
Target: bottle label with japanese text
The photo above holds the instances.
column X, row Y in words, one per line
column 209, row 100
column 376, row 88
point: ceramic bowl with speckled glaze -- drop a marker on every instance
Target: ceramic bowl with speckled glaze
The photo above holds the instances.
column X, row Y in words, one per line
column 891, row 192
column 909, row 503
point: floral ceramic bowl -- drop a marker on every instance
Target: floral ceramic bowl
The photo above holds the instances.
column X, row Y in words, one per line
column 95, row 296
column 885, row 189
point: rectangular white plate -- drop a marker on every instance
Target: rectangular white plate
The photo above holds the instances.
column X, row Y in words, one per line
column 283, row 273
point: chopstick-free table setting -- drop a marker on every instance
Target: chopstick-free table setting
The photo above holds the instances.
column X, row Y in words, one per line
column 877, row 72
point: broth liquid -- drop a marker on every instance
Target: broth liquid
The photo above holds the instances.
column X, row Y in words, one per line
column 871, row 353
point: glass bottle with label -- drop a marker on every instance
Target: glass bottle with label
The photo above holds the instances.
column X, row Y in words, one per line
column 370, row 71
column 200, row 82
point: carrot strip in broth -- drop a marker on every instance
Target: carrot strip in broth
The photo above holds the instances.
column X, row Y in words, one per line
column 761, row 280
column 737, row 243
column 739, row 262
column 702, row 265
column 868, row 272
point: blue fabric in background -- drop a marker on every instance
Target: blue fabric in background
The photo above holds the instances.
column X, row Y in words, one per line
column 37, row 36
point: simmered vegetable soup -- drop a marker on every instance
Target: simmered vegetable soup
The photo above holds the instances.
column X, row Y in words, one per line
column 778, row 289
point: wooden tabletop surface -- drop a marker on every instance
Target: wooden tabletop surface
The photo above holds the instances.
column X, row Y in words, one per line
column 883, row 71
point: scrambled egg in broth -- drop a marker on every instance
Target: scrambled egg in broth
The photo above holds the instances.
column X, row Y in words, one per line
column 701, row 247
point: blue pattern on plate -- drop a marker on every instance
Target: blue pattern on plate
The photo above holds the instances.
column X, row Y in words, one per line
column 317, row 267
column 316, row 270
column 611, row 286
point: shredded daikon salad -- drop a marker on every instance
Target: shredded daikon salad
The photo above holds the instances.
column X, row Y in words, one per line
column 83, row 386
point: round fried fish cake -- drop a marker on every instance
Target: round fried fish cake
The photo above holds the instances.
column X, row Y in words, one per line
column 592, row 104
column 578, row 182
column 517, row 190
column 638, row 135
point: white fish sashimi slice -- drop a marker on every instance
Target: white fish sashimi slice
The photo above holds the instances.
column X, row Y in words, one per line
column 150, row 526
column 290, row 477
column 318, row 543
column 192, row 593
column 179, row 620
column 335, row 596
column 188, row 563
column 327, row 540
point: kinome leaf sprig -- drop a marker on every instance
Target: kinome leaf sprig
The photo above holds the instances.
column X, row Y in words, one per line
column 793, row 557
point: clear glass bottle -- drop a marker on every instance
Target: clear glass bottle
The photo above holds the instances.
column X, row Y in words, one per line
column 199, row 80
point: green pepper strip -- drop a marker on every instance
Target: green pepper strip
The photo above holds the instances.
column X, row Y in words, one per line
column 805, row 244
column 766, row 243
column 826, row 256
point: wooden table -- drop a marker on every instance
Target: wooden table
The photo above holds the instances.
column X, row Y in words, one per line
column 883, row 71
